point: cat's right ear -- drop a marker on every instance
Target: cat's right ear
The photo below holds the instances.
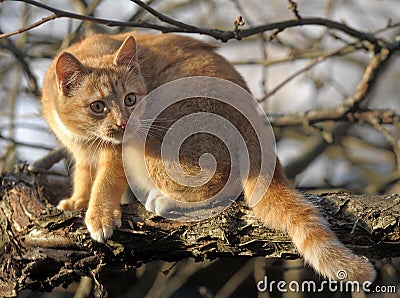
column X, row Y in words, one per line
column 126, row 55
column 69, row 72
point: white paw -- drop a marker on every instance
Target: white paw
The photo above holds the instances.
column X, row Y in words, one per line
column 158, row 203
column 101, row 226
column 102, row 234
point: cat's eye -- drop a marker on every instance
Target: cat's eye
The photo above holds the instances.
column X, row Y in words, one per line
column 130, row 99
column 98, row 107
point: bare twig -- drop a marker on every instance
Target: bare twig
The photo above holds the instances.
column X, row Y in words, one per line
column 316, row 61
column 262, row 37
column 301, row 55
column 9, row 45
column 349, row 104
column 319, row 146
column 177, row 26
column 376, row 121
column 137, row 15
column 293, row 8
column 47, row 161
column 19, row 143
column 238, row 23
column 292, row 76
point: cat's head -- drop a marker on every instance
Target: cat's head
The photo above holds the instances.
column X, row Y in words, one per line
column 96, row 95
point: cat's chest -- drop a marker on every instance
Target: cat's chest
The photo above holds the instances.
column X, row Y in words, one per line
column 64, row 134
column 136, row 170
column 82, row 151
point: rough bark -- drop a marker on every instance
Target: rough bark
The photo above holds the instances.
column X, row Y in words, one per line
column 42, row 247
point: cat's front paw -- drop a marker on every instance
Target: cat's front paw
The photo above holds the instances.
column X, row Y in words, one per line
column 102, row 222
column 73, row 203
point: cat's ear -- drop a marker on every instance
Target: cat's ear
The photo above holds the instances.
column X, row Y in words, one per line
column 69, row 72
column 126, row 54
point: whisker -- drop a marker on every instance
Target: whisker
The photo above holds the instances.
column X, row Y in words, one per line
column 158, row 120
column 157, row 127
column 151, row 136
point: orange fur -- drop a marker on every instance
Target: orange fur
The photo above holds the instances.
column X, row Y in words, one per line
column 109, row 68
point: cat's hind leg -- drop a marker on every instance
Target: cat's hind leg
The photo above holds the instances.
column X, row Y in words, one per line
column 158, row 203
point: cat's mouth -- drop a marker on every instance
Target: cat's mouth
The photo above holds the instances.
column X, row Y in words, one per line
column 114, row 137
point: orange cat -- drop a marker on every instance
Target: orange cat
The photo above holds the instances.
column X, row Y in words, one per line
column 91, row 89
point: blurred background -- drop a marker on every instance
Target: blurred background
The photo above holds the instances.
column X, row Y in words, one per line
column 300, row 69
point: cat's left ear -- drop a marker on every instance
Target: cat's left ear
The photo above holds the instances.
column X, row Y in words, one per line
column 126, row 55
column 69, row 73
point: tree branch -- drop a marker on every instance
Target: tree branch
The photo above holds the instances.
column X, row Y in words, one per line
column 349, row 104
column 19, row 55
column 177, row 26
column 44, row 247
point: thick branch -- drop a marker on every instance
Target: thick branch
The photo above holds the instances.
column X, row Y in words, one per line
column 43, row 247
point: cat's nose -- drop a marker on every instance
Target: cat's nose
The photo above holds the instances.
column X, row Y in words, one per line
column 121, row 124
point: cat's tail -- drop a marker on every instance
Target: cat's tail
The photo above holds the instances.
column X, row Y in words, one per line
column 284, row 208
